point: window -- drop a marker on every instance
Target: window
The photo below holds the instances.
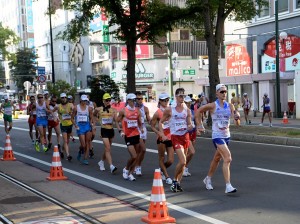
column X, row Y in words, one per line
column 283, row 6
column 184, row 34
column 297, row 3
column 264, row 11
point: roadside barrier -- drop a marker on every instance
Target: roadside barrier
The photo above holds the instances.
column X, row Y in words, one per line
column 8, row 154
column 158, row 210
column 56, row 171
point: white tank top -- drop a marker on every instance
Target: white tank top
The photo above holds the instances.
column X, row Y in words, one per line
column 178, row 124
column 221, row 121
column 41, row 110
column 53, row 116
column 143, row 114
column 82, row 116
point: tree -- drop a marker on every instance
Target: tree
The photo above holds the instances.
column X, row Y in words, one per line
column 103, row 84
column 2, row 75
column 132, row 19
column 208, row 21
column 7, row 38
column 23, row 68
column 61, row 86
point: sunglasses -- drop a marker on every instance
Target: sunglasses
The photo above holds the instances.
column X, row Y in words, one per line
column 181, row 95
column 164, row 100
column 53, row 101
column 223, row 91
column 138, row 98
column 40, row 97
column 107, row 100
column 63, row 97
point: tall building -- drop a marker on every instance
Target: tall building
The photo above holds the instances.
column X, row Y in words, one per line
column 17, row 15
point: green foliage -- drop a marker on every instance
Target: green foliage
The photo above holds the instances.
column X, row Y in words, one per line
column 61, row 86
column 131, row 19
column 23, row 68
column 2, row 76
column 7, row 38
column 103, row 84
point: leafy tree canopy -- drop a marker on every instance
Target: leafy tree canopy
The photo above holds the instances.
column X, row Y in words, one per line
column 7, row 38
column 103, row 84
column 131, row 20
column 61, row 86
column 23, row 68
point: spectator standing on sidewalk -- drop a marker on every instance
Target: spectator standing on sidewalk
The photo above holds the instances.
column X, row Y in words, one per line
column 220, row 111
column 266, row 109
column 246, row 104
column 236, row 103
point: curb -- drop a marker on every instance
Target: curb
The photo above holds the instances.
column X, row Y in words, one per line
column 275, row 140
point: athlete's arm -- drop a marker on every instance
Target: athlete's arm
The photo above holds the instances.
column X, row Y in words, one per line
column 189, row 119
column 73, row 117
column 153, row 123
column 198, row 116
column 140, row 122
column 147, row 113
column 91, row 116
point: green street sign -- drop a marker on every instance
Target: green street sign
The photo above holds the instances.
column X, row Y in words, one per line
column 188, row 72
column 113, row 75
column 105, row 34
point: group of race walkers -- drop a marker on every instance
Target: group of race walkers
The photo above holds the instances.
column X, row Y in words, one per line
column 176, row 126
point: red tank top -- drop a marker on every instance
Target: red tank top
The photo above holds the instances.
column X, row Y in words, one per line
column 130, row 122
column 166, row 126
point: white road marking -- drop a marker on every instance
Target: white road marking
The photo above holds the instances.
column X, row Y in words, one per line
column 127, row 191
column 275, row 171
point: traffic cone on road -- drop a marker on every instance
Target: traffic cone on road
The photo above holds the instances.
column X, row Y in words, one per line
column 285, row 119
column 158, row 210
column 8, row 154
column 56, row 171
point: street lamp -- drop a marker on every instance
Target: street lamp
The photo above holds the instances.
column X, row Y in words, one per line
column 282, row 36
column 78, row 70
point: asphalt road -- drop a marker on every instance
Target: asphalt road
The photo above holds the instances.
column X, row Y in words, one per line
column 267, row 178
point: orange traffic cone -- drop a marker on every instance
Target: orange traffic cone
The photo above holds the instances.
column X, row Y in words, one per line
column 158, row 211
column 56, row 171
column 285, row 119
column 8, row 152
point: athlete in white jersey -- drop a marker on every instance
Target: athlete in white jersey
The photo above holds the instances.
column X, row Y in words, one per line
column 220, row 111
column 179, row 117
column 92, row 105
column 145, row 117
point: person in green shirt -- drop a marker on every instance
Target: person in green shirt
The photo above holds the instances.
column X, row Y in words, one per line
column 7, row 108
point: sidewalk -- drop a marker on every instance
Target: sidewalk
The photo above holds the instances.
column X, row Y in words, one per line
column 19, row 205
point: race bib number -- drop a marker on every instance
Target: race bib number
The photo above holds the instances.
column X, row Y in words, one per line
column 82, row 118
column 166, row 125
column 42, row 114
column 107, row 120
column 66, row 117
column 180, row 125
column 223, row 124
column 132, row 123
column 8, row 110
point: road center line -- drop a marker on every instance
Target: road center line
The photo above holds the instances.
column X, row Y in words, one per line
column 274, row 171
column 127, row 191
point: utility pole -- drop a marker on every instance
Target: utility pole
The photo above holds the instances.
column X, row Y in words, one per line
column 51, row 44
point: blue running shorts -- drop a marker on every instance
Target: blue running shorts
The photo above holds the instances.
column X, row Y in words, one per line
column 42, row 122
column 220, row 141
column 84, row 128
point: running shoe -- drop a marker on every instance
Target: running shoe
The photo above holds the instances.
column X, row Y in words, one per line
column 186, row 172
column 179, row 188
column 91, row 153
column 271, row 125
column 113, row 168
column 125, row 174
column 260, row 124
column 230, row 189
column 131, row 177
column 208, row 183
column 101, row 165
column 174, row 186
column 37, row 146
column 45, row 148
column 85, row 162
column 138, row 171
column 33, row 142
column 169, row 180
column 69, row 158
